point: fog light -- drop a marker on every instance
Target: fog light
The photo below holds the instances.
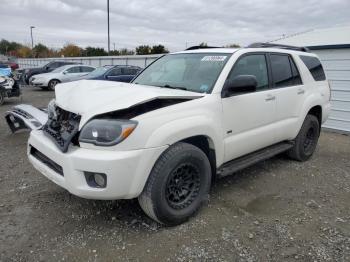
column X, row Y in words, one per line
column 96, row 179
column 99, row 180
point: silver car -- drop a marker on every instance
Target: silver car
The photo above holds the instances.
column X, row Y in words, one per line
column 62, row 74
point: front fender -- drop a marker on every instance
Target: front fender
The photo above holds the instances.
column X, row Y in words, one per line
column 180, row 129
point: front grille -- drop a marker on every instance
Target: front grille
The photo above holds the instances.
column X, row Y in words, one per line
column 47, row 161
column 62, row 127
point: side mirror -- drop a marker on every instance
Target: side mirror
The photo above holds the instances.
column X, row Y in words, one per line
column 240, row 84
column 47, row 68
column 65, row 72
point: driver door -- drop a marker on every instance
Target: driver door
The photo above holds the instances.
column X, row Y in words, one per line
column 248, row 118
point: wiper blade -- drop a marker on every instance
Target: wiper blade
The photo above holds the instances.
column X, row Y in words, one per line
column 175, row 87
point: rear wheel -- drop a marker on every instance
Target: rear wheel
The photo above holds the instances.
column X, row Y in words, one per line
column 52, row 84
column 178, row 185
column 306, row 141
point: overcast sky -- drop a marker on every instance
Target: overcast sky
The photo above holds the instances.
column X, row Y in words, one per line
column 167, row 22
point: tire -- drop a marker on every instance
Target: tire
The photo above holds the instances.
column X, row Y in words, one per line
column 2, row 98
column 182, row 166
column 52, row 84
column 306, row 141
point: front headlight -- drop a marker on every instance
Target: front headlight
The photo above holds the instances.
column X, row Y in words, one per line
column 106, row 132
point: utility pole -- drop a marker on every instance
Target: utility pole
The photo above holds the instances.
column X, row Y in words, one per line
column 31, row 34
column 108, row 26
column 114, row 46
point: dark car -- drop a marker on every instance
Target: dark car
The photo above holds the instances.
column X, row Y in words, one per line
column 28, row 72
column 120, row 73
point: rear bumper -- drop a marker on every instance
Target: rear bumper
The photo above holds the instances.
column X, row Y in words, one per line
column 126, row 171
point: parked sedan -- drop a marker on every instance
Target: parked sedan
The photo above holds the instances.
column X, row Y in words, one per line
column 25, row 74
column 62, row 74
column 120, row 73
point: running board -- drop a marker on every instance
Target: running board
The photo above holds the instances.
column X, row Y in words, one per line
column 253, row 158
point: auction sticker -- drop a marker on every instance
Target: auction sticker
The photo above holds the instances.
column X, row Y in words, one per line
column 214, row 58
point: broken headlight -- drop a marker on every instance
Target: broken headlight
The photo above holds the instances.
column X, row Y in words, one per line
column 106, row 132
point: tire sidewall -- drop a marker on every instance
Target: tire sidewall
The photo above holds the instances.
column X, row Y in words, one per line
column 50, row 87
column 310, row 122
column 162, row 209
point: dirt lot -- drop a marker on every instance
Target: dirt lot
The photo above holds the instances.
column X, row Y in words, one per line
column 278, row 210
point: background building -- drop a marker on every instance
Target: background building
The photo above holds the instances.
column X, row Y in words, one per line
column 332, row 45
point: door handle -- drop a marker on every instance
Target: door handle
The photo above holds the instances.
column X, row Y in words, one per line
column 270, row 98
column 301, row 91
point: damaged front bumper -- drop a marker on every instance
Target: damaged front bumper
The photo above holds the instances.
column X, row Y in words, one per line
column 26, row 117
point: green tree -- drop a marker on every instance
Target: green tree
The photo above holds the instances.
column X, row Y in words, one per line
column 7, row 47
column 233, row 46
column 143, row 50
column 159, row 49
column 40, row 50
column 125, row 51
column 94, row 51
column 203, row 44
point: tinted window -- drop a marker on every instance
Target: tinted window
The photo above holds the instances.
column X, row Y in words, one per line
column 281, row 70
column 128, row 71
column 315, row 67
column 295, row 72
column 115, row 72
column 74, row 69
column 86, row 69
column 54, row 65
column 252, row 65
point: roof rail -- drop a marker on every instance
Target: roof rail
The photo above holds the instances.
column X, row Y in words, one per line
column 200, row 47
column 290, row 47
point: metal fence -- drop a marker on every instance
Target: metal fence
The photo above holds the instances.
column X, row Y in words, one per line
column 135, row 60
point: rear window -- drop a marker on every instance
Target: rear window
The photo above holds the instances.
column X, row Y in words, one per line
column 315, row 67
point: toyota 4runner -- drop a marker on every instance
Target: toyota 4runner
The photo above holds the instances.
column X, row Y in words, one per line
column 187, row 118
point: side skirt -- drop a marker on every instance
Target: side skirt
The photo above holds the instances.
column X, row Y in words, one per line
column 250, row 159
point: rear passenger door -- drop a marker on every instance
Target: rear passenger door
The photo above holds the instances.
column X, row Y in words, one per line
column 248, row 118
column 290, row 94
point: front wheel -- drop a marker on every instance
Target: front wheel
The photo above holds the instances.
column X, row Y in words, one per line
column 52, row 84
column 177, row 186
column 306, row 141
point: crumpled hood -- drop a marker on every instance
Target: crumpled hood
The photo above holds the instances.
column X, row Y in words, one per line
column 93, row 97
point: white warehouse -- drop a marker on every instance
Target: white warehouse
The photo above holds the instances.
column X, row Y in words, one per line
column 332, row 45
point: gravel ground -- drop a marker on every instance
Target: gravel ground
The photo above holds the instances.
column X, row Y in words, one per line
column 277, row 210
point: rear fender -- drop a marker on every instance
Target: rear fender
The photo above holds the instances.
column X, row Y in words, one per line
column 25, row 117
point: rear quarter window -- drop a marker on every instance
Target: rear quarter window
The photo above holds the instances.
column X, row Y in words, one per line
column 315, row 67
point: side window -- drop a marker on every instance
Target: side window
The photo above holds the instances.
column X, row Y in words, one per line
column 114, row 72
column 295, row 73
column 128, row 71
column 86, row 69
column 314, row 66
column 252, row 65
column 74, row 69
column 281, row 70
column 54, row 65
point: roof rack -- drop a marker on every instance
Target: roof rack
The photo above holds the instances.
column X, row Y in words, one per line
column 200, row 47
column 272, row 45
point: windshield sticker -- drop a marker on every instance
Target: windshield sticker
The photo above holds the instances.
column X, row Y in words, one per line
column 214, row 58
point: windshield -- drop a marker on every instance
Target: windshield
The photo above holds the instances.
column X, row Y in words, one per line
column 99, row 71
column 193, row 72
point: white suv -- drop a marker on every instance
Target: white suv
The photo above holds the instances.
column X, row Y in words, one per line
column 186, row 119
